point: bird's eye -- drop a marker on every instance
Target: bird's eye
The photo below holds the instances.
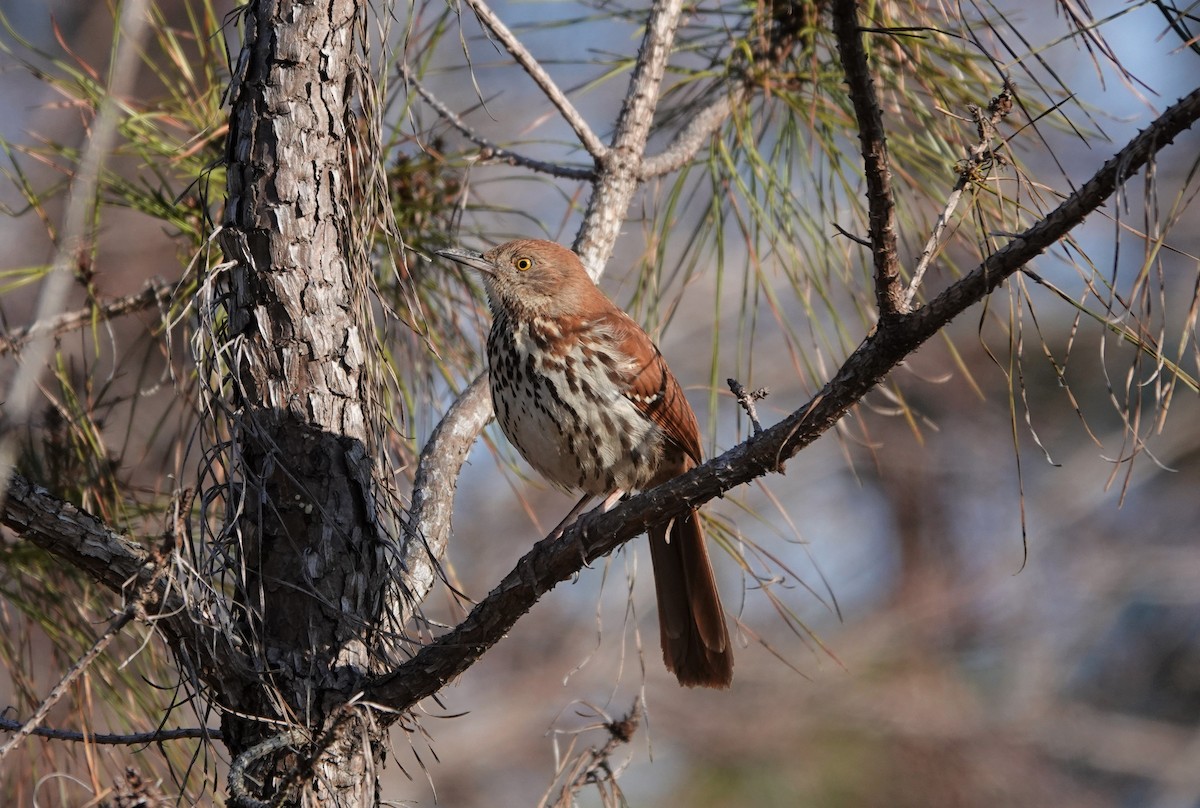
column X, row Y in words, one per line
column 523, row 264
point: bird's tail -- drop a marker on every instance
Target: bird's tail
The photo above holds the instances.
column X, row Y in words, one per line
column 695, row 641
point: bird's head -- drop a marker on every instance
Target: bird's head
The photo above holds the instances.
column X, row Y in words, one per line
column 530, row 276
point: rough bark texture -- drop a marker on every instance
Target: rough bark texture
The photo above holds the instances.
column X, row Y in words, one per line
column 881, row 202
column 307, row 534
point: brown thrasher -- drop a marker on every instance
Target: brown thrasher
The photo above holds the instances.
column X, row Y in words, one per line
column 588, row 400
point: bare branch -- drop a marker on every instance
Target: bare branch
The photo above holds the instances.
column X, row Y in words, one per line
column 552, row 561
column 746, row 399
column 115, row 739
column 490, row 152
column 155, row 294
column 540, row 77
column 866, row 242
column 880, row 203
column 622, row 166
column 434, row 486
column 72, row 534
column 59, row 690
column 87, row 544
column 688, row 141
column 593, row 766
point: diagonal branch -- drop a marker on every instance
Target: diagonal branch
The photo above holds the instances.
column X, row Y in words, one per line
column 880, row 203
column 434, row 485
column 525, row 59
column 56, row 693
column 75, row 535
column 490, row 151
column 155, row 294
column 552, row 561
column 978, row 155
column 134, row 610
column 87, row 544
column 687, row 142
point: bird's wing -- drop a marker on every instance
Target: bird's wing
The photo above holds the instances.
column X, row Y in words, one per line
column 654, row 389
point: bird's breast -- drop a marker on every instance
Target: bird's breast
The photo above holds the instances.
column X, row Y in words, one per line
column 559, row 393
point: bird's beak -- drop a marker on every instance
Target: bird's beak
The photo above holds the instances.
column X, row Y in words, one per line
column 468, row 258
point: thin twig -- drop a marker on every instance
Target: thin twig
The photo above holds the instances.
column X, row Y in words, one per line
column 540, row 77
column 592, row 767
column 881, row 205
column 60, row 689
column 978, row 156
column 866, row 242
column 746, row 399
column 130, row 739
column 490, row 152
column 155, row 294
column 136, row 609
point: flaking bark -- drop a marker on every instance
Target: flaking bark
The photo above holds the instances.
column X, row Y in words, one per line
column 307, row 532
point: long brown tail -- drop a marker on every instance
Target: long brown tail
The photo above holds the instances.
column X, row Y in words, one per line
column 695, row 642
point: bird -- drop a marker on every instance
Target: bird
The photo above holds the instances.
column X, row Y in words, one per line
column 585, row 396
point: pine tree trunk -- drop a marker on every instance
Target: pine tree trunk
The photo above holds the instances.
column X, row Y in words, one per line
column 299, row 387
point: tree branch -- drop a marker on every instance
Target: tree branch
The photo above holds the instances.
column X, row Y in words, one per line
column 978, row 155
column 74, row 672
column 553, row 561
column 880, row 203
column 155, row 294
column 490, row 151
column 115, row 739
column 622, row 166
column 72, row 534
column 540, row 77
column 87, row 544
column 434, row 485
column 687, row 142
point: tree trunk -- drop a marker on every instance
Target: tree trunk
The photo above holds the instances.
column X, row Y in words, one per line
column 304, row 521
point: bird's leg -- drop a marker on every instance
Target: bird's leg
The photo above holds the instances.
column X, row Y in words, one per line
column 611, row 499
column 570, row 517
column 604, row 507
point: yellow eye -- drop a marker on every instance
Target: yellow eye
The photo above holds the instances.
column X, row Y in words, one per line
column 522, row 264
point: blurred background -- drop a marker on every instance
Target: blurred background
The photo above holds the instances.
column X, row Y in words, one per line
column 983, row 588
